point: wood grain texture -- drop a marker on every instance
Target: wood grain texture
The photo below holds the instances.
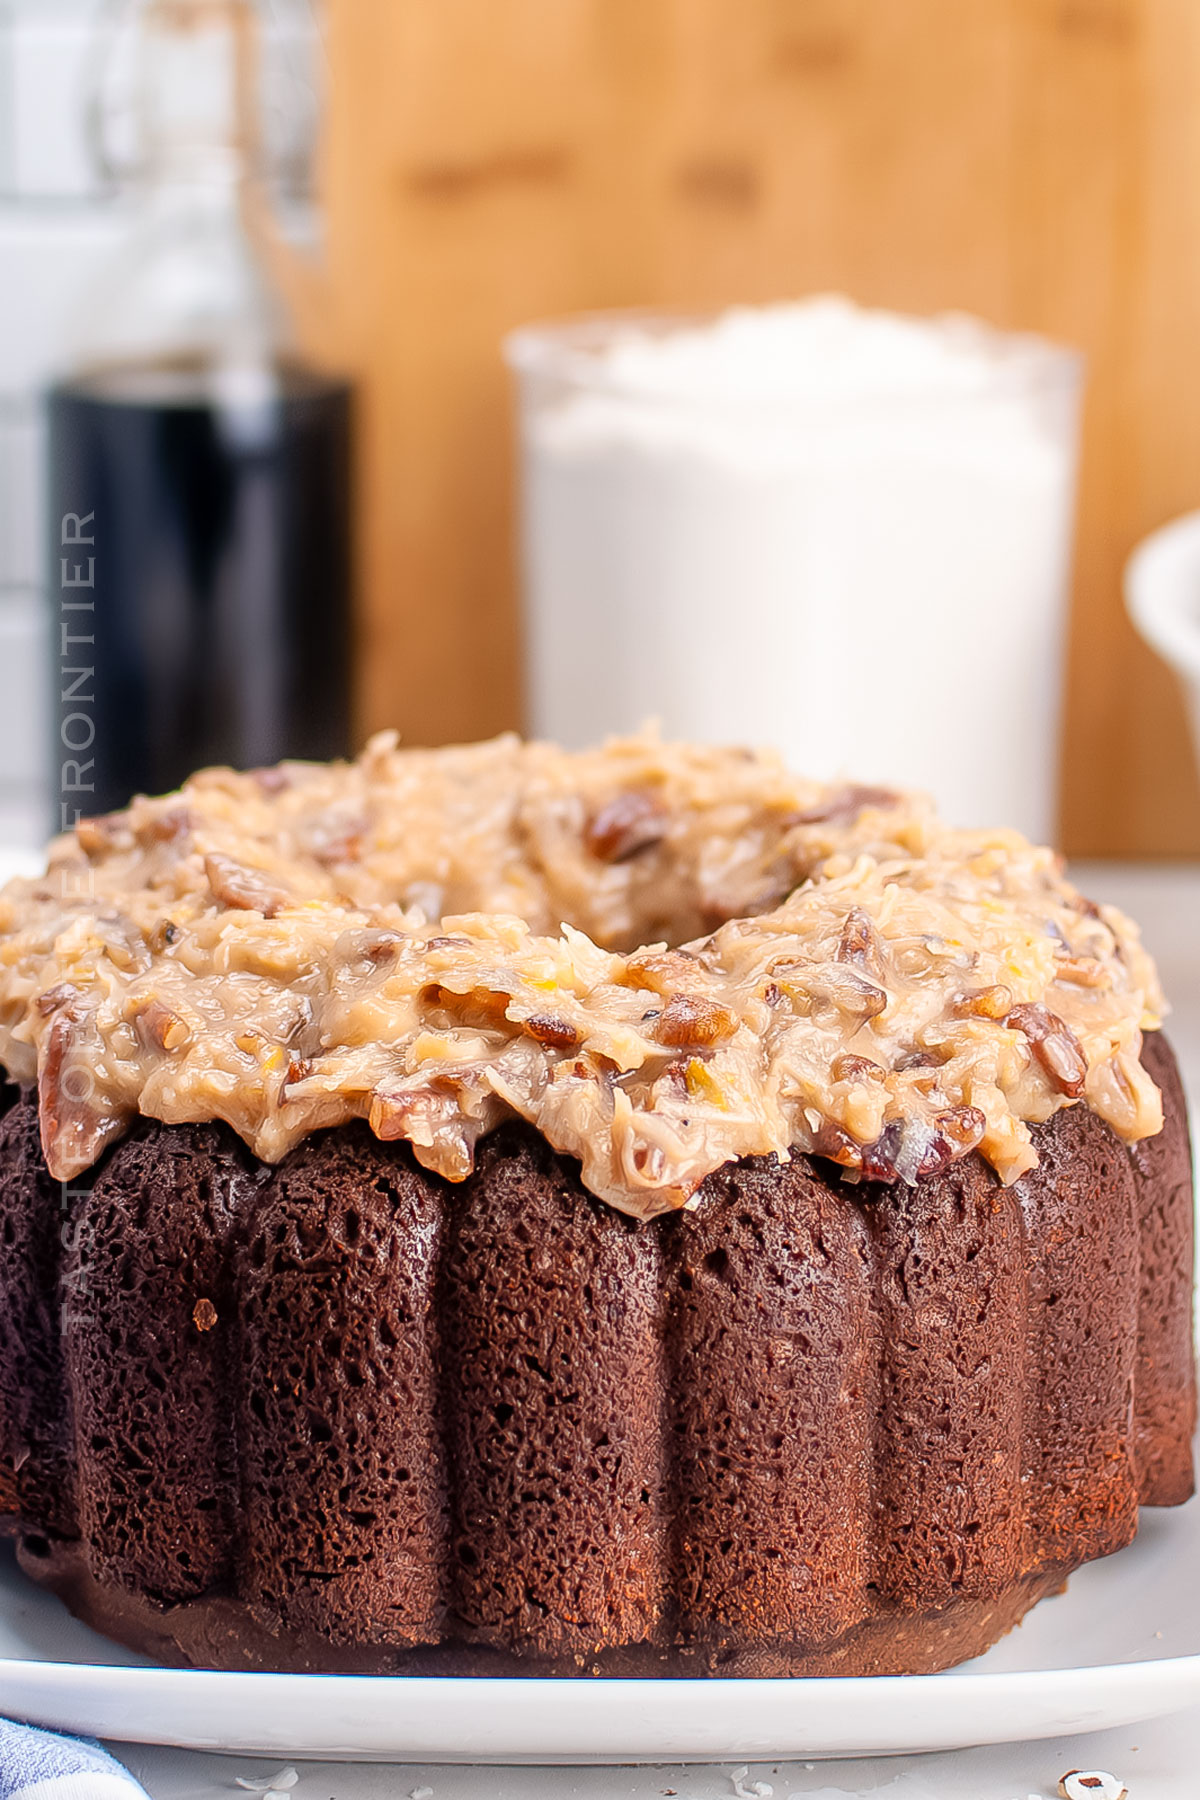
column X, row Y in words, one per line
column 1033, row 161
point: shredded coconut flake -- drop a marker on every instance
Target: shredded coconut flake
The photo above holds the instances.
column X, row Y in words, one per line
column 272, row 1787
column 749, row 1790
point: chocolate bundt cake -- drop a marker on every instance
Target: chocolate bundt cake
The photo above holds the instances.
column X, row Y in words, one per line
column 491, row 1211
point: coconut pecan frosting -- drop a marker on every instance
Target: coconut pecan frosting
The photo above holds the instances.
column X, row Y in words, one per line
column 663, row 956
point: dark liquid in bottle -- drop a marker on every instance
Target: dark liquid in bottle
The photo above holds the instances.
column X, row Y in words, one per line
column 221, row 578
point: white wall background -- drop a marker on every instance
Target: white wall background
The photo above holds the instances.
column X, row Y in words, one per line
column 57, row 221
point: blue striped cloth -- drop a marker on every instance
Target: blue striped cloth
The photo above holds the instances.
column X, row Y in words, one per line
column 37, row 1765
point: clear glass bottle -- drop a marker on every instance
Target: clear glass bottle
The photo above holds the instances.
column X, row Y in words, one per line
column 200, row 471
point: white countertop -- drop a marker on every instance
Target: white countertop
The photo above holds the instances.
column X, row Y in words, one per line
column 1157, row 1761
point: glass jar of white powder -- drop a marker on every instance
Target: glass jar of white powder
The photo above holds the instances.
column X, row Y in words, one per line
column 839, row 532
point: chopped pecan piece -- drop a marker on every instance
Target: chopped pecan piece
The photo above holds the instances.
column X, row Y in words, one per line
column 272, row 780
column 158, row 1027
column 1082, row 971
column 559, row 1034
column 1054, row 1044
column 848, row 1067
column 912, row 1148
column 124, row 943
column 965, row 1125
column 379, row 946
column 844, row 805
column 367, row 944
column 335, row 842
column 691, row 1019
column 443, row 1137
column 675, row 1076
column 660, row 972
column 859, row 943
column 923, row 1150
column 164, row 827
column 849, row 991
column 74, row 1128
column 299, row 1069
column 396, row 1115
column 482, row 1009
column 879, row 1159
column 956, row 1131
column 246, row 890
column 63, row 993
column 344, row 849
column 983, row 1003
column 97, row 836
column 633, row 822
column 835, row 1143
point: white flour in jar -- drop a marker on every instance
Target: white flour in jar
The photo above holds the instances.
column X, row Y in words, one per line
column 838, row 532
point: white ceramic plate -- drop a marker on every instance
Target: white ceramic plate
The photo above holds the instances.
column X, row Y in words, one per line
column 1122, row 1644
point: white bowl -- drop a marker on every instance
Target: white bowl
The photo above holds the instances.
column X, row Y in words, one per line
column 1162, row 592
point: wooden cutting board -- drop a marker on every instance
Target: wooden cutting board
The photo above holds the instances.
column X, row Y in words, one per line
column 1033, row 161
